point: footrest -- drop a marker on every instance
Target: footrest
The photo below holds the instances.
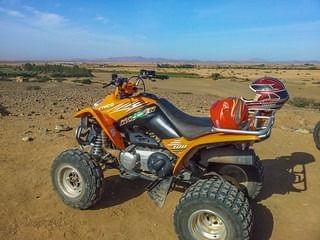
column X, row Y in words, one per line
column 158, row 193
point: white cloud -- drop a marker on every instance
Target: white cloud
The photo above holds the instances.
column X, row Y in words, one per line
column 30, row 36
column 50, row 18
column 42, row 18
column 12, row 13
column 101, row 19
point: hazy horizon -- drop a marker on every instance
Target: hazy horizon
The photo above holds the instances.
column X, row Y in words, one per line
column 142, row 59
column 276, row 31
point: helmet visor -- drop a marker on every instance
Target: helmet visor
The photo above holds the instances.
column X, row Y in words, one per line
column 260, row 87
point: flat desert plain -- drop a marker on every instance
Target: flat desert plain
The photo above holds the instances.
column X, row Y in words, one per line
column 288, row 207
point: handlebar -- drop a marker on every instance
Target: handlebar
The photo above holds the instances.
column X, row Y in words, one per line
column 116, row 81
column 143, row 74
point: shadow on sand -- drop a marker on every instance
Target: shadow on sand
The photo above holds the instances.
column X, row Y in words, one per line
column 285, row 174
column 118, row 190
column 282, row 175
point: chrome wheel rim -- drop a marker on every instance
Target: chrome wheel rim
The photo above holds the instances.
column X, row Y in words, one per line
column 70, row 181
column 207, row 224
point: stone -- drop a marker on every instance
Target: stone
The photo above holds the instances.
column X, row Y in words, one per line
column 62, row 128
column 27, row 139
column 301, row 130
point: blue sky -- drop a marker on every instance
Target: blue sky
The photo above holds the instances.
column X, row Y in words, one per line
column 205, row 30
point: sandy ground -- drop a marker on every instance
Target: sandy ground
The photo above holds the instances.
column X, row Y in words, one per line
column 288, row 207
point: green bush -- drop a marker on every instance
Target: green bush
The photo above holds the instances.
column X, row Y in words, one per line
column 50, row 70
column 216, row 76
column 57, row 70
column 164, row 75
column 15, row 72
column 166, row 65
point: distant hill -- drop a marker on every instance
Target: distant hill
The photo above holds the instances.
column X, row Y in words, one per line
column 141, row 59
column 138, row 59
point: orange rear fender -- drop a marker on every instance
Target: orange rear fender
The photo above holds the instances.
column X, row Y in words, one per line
column 184, row 148
column 106, row 123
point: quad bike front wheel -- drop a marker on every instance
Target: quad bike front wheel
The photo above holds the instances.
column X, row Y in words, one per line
column 77, row 179
column 316, row 135
column 213, row 209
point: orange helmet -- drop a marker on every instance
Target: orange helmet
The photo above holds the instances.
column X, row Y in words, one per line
column 229, row 113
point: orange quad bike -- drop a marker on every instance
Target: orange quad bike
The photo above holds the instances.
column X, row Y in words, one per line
column 147, row 137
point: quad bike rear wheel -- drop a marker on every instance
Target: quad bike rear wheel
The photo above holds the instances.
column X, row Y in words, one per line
column 213, row 209
column 245, row 177
column 316, row 135
column 77, row 179
column 248, row 178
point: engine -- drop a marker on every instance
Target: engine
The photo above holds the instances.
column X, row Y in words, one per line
column 143, row 159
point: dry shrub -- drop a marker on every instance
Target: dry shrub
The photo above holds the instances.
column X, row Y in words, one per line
column 305, row 102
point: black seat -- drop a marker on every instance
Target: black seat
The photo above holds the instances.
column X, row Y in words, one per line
column 188, row 126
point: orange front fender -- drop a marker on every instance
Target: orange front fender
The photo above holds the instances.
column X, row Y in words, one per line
column 106, row 123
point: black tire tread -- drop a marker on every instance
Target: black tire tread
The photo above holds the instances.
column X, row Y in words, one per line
column 316, row 135
column 260, row 175
column 221, row 192
column 95, row 175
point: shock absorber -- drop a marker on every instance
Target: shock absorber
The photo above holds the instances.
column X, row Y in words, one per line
column 97, row 150
column 105, row 142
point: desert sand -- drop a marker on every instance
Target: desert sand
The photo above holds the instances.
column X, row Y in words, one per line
column 288, row 207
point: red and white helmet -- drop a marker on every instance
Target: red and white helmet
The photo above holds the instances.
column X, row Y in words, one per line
column 271, row 94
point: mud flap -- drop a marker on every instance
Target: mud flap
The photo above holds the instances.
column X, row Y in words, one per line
column 158, row 191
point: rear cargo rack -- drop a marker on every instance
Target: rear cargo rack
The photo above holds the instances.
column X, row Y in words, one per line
column 260, row 131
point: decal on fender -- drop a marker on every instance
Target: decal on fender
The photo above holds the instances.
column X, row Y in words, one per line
column 106, row 106
column 137, row 115
column 126, row 107
column 177, row 146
